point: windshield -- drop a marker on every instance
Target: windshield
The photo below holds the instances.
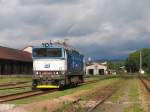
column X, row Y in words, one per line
column 47, row 52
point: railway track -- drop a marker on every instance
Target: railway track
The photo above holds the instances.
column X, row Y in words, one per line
column 107, row 93
column 146, row 83
column 23, row 95
column 101, row 101
column 20, row 84
column 27, row 94
column 99, row 97
column 21, row 87
column 94, row 81
column 13, row 84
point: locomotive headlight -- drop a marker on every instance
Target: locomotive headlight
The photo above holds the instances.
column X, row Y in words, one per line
column 62, row 72
column 40, row 76
column 57, row 73
column 36, row 73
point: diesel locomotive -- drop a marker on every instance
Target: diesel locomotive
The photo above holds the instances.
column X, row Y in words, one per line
column 56, row 66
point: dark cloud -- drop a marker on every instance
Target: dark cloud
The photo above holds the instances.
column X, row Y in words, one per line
column 46, row 2
column 100, row 28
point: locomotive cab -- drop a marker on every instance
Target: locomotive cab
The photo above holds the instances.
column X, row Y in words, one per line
column 49, row 67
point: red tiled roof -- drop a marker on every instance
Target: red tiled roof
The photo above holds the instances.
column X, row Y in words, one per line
column 14, row 54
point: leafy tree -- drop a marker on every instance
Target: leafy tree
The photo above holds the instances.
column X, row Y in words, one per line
column 133, row 61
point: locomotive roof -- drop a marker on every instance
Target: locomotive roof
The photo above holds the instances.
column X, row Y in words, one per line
column 56, row 45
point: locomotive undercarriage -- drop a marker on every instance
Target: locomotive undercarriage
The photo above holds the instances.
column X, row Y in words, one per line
column 55, row 81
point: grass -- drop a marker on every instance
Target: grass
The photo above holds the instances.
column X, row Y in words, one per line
column 65, row 92
column 13, row 91
column 134, row 97
column 134, row 91
column 104, row 81
column 77, row 106
column 22, row 79
column 149, row 108
column 117, row 95
column 65, row 106
column 4, row 91
column 134, row 108
column 14, row 79
column 45, row 109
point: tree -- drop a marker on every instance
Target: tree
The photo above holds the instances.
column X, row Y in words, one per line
column 116, row 64
column 133, row 61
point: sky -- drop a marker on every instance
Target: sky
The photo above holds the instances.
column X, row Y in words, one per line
column 101, row 29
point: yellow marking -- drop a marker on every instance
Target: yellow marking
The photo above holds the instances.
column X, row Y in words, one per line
column 46, row 86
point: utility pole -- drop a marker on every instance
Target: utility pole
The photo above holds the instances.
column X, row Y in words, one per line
column 140, row 60
column 141, row 70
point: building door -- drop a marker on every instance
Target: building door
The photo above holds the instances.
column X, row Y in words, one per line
column 91, row 71
column 101, row 71
column 0, row 70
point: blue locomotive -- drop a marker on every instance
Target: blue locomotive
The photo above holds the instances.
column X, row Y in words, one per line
column 55, row 66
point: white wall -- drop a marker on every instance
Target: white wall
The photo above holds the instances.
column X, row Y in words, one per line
column 96, row 68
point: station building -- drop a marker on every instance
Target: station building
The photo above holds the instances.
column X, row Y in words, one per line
column 15, row 62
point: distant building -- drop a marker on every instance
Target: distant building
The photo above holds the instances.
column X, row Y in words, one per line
column 28, row 49
column 122, row 69
column 113, row 72
column 14, row 61
column 96, row 69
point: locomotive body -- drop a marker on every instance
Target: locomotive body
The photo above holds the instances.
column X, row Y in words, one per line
column 55, row 66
